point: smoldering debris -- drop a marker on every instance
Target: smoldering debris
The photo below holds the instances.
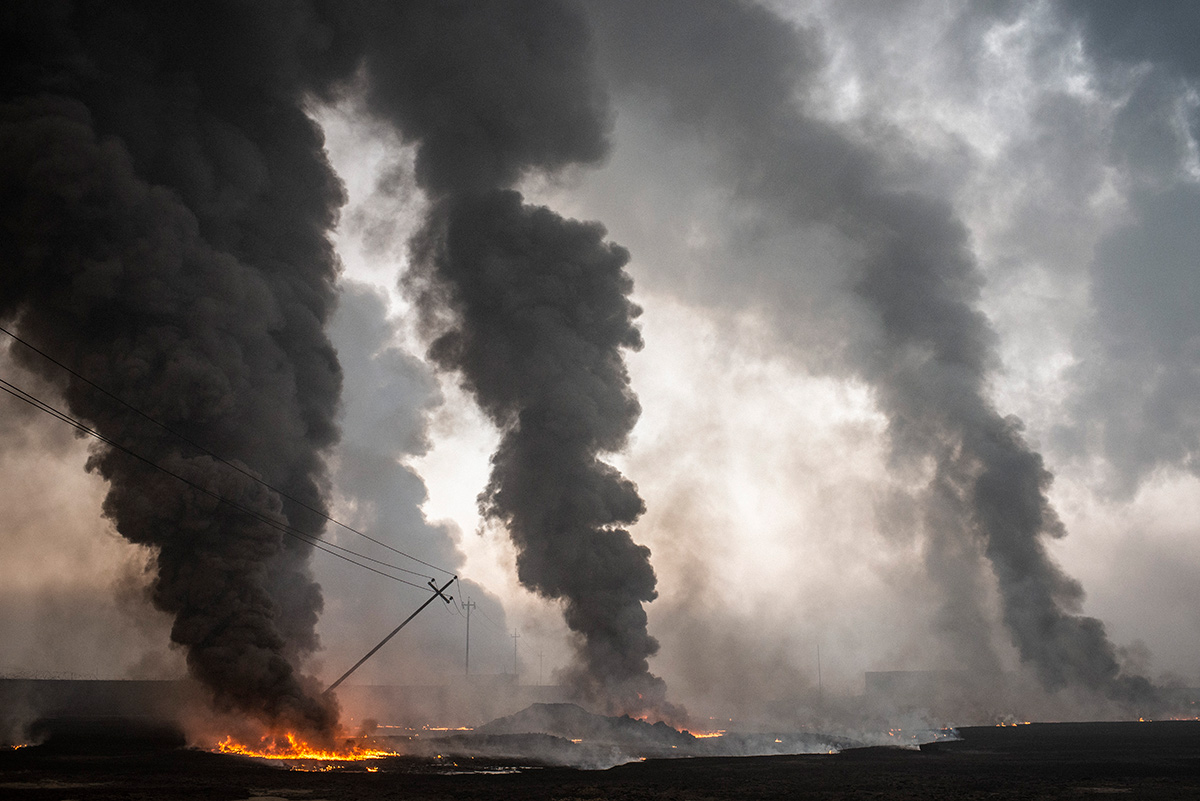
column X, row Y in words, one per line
column 567, row 734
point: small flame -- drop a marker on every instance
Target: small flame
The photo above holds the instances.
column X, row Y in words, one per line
column 290, row 747
column 447, row 728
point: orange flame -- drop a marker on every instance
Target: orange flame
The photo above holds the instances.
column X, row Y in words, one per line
column 288, row 746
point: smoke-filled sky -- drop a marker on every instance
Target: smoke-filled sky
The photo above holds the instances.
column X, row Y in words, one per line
column 919, row 373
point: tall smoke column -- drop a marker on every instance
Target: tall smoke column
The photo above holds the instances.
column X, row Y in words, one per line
column 735, row 75
column 165, row 209
column 538, row 305
column 544, row 313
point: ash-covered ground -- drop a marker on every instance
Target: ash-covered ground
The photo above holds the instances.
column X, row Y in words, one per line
column 568, row 735
column 104, row 760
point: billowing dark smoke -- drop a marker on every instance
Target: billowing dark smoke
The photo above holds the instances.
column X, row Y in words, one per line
column 165, row 210
column 538, row 305
column 735, row 77
column 544, row 310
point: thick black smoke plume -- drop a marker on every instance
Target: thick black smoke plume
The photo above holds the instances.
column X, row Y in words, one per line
column 544, row 310
column 166, row 208
column 165, row 205
column 539, row 308
column 735, row 76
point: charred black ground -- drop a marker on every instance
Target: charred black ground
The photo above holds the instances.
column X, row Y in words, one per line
column 1143, row 760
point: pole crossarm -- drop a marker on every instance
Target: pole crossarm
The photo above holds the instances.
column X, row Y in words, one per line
column 438, row 592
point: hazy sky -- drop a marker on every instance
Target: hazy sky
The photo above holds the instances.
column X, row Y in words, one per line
column 785, row 507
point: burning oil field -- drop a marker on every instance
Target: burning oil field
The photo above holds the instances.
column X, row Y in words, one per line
column 518, row 757
column 768, row 378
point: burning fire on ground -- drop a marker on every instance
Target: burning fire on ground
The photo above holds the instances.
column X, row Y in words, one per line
column 290, row 749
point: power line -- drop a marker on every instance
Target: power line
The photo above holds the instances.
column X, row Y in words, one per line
column 488, row 618
column 454, row 603
column 224, row 461
column 328, row 548
column 437, row 593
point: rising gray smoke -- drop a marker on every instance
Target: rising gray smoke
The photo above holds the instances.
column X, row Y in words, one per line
column 530, row 308
column 165, row 205
column 735, row 78
column 389, row 395
column 1139, row 400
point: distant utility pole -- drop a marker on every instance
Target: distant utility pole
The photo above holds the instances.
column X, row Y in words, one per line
column 820, row 691
column 469, row 605
column 516, row 636
column 539, row 667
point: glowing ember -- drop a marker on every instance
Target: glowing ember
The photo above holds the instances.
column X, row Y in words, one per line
column 290, row 747
column 447, row 728
column 704, row 735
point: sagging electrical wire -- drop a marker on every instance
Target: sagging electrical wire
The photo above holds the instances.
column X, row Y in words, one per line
column 328, row 548
column 222, row 460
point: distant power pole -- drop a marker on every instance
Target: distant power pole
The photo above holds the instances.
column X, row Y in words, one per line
column 820, row 690
column 468, row 606
column 539, row 667
column 516, row 636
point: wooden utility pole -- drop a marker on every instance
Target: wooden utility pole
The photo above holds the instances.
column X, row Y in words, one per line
column 437, row 593
column 516, row 636
column 469, row 605
column 820, row 690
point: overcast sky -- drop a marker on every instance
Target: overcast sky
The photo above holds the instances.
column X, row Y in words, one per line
column 786, row 505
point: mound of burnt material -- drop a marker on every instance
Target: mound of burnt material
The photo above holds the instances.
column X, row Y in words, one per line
column 573, row 722
column 470, row 750
column 599, row 738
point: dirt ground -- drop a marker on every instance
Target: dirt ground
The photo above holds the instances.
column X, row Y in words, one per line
column 1158, row 760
